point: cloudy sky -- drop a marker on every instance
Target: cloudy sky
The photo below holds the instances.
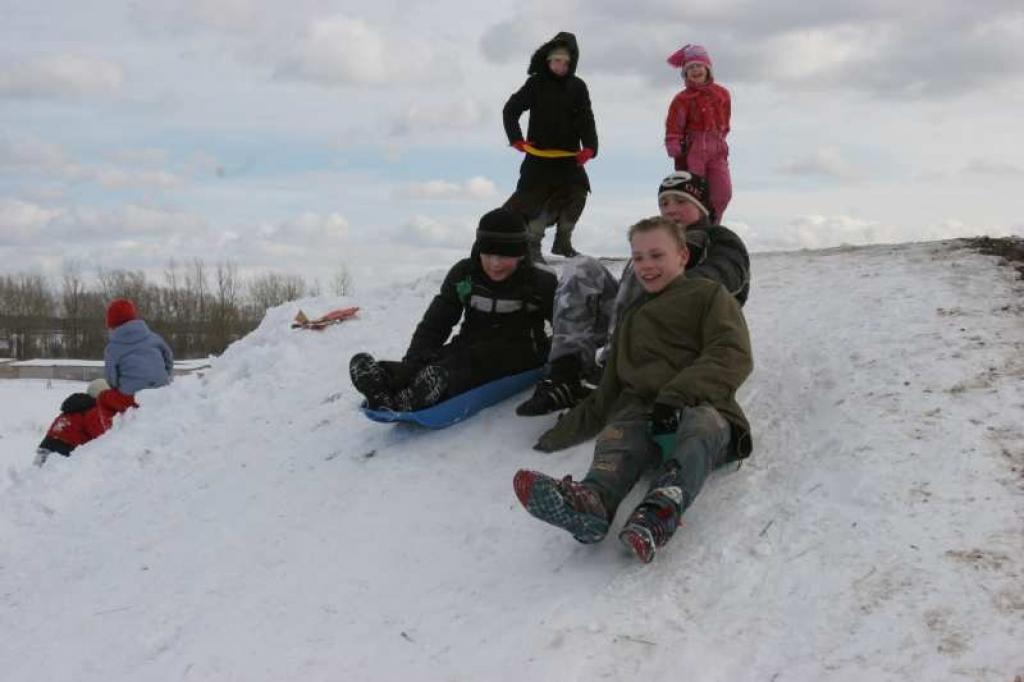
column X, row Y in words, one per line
column 313, row 135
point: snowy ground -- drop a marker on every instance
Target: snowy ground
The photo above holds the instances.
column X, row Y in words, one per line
column 250, row 525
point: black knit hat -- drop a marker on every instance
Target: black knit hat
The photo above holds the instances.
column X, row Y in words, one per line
column 691, row 187
column 502, row 232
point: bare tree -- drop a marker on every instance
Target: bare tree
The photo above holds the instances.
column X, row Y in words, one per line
column 341, row 282
column 225, row 313
column 272, row 289
column 27, row 311
column 195, row 317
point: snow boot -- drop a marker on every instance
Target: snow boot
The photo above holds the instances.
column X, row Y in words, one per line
column 567, row 504
column 563, row 244
column 653, row 522
column 371, row 380
column 426, row 389
column 550, row 396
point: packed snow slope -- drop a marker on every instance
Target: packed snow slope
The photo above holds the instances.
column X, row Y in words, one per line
column 252, row 525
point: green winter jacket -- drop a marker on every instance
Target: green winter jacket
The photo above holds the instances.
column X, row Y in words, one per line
column 684, row 346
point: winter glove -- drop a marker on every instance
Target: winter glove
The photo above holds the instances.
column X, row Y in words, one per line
column 547, row 441
column 584, row 155
column 663, row 426
column 520, row 145
column 77, row 402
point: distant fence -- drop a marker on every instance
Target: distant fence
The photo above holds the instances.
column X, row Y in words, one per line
column 82, row 370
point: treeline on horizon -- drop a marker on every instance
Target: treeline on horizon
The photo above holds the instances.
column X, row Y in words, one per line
column 199, row 309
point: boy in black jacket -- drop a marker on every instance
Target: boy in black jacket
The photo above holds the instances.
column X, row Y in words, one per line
column 552, row 191
column 503, row 302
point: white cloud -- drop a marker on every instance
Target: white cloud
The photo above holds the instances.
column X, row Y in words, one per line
column 994, row 167
column 474, row 188
column 811, row 53
column 822, row 162
column 881, row 48
column 308, row 232
column 226, row 15
column 425, row 231
column 819, row 232
column 23, row 222
column 132, row 221
column 25, row 153
column 149, row 157
column 61, row 75
column 342, row 50
column 119, row 178
column 461, row 114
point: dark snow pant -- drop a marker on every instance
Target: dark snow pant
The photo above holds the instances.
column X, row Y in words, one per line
column 584, row 302
column 624, row 450
column 546, row 204
column 470, row 365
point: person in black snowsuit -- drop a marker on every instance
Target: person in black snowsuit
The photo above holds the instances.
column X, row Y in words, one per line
column 586, row 314
column 503, row 301
column 552, row 191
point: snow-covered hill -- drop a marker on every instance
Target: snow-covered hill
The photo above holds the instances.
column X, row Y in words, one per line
column 251, row 525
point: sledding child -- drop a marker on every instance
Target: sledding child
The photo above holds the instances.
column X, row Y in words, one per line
column 589, row 299
column 135, row 358
column 697, row 124
column 503, row 302
column 666, row 401
column 552, row 191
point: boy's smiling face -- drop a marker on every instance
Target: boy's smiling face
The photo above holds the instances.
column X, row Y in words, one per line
column 658, row 258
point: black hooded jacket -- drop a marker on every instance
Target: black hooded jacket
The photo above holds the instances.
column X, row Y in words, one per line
column 513, row 311
column 717, row 253
column 560, row 117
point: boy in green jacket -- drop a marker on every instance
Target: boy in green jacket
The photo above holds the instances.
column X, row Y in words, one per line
column 666, row 401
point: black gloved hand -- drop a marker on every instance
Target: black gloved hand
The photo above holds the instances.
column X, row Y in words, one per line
column 663, row 426
column 544, row 445
column 664, row 419
column 77, row 402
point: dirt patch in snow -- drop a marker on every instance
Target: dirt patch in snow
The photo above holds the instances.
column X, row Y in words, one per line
column 1011, row 249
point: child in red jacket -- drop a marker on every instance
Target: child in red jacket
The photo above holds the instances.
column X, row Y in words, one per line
column 697, row 124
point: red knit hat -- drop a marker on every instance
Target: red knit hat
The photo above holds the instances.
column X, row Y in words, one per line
column 119, row 311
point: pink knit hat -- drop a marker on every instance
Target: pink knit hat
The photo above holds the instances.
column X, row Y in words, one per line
column 690, row 54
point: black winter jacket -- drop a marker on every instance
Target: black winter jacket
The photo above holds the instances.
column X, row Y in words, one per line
column 514, row 310
column 717, row 253
column 560, row 117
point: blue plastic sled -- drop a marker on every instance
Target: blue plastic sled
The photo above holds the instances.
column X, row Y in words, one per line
column 462, row 406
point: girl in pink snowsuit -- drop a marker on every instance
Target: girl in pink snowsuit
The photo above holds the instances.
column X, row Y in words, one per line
column 697, row 123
